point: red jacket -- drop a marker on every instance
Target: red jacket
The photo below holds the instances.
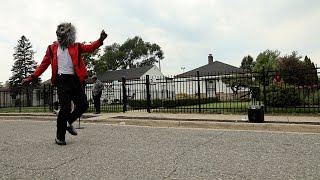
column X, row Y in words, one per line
column 78, row 63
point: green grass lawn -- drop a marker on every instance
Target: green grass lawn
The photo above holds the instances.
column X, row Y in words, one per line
column 25, row 109
column 104, row 108
column 237, row 107
column 107, row 108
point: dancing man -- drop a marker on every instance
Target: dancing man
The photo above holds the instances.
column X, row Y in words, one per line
column 68, row 75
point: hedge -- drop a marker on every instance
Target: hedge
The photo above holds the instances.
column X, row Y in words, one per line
column 169, row 103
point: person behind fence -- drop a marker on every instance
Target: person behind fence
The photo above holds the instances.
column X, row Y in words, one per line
column 68, row 75
column 96, row 93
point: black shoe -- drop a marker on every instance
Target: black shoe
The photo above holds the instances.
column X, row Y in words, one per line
column 71, row 130
column 59, row 142
column 96, row 113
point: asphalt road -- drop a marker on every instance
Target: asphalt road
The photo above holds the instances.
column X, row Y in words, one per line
column 27, row 151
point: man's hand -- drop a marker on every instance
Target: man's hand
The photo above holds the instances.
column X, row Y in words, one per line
column 25, row 82
column 103, row 35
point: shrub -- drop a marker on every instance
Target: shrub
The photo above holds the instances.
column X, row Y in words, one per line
column 17, row 102
column 137, row 104
column 312, row 98
column 280, row 96
column 169, row 103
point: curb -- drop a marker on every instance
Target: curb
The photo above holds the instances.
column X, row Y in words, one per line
column 175, row 123
column 242, row 126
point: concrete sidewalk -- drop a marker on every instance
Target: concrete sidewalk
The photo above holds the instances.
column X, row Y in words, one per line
column 213, row 121
column 297, row 119
column 209, row 117
column 284, row 123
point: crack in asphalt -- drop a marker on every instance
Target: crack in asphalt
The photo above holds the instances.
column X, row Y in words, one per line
column 176, row 159
column 67, row 162
column 8, row 174
column 43, row 169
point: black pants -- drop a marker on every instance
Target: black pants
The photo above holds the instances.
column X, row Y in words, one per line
column 96, row 101
column 69, row 89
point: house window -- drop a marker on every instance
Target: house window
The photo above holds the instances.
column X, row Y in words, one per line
column 211, row 88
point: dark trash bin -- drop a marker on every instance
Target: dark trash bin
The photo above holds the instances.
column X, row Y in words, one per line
column 256, row 114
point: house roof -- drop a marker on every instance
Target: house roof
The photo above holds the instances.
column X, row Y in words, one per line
column 213, row 68
column 4, row 88
column 133, row 73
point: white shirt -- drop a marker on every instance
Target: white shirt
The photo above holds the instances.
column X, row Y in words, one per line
column 65, row 65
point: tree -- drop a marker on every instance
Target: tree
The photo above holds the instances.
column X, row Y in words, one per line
column 131, row 54
column 90, row 60
column 311, row 71
column 23, row 66
column 267, row 59
column 296, row 72
column 289, row 66
column 265, row 62
column 247, row 63
column 110, row 60
column 239, row 82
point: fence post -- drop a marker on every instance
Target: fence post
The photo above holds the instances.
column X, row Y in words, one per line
column 51, row 97
column 20, row 99
column 44, row 97
column 124, row 94
column 264, row 88
column 148, row 94
column 199, row 98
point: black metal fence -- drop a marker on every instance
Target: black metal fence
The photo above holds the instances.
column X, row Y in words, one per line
column 27, row 100
column 283, row 91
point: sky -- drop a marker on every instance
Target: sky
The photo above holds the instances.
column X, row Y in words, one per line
column 186, row 30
